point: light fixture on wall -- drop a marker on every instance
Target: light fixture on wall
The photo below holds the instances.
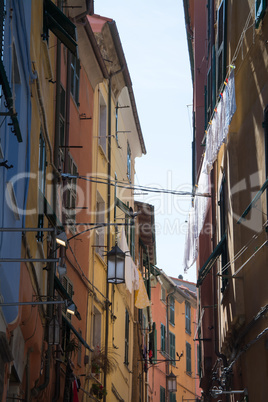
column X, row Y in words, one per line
column 116, row 266
column 171, row 382
column 61, row 239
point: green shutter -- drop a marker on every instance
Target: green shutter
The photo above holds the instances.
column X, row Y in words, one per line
column 172, row 348
column 60, row 25
column 260, row 7
column 163, row 338
column 213, row 78
column 153, row 343
column 221, row 44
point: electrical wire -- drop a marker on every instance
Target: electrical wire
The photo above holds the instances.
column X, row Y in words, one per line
column 246, row 347
column 136, row 187
column 243, row 249
column 84, row 276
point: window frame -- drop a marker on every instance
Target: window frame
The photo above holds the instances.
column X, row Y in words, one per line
column 163, row 337
column 69, row 287
column 223, row 227
column 103, row 121
column 187, row 317
column 71, row 195
column 221, row 45
column 75, row 79
column 188, row 358
column 260, row 7
column 172, row 348
column 100, row 232
column 96, row 338
column 128, row 162
column 163, row 294
column 126, row 354
column 42, row 163
column 172, row 310
column 162, row 394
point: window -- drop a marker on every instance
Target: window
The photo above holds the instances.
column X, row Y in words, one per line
column 79, row 350
column 71, row 195
column 153, row 345
column 163, row 294
column 172, row 310
column 126, row 361
column 260, row 7
column 128, row 162
column 188, row 318
column 172, row 348
column 2, row 27
column 75, row 76
column 102, row 122
column 222, row 206
column 188, row 358
column 66, row 337
column 198, row 360
column 265, row 126
column 100, row 218
column 62, row 128
column 2, row 35
column 41, row 184
column 116, row 122
column 172, row 397
column 96, row 328
column 60, row 25
column 209, row 97
column 42, row 164
column 163, row 338
column 221, row 62
column 68, row 286
column 209, row 20
column 162, row 394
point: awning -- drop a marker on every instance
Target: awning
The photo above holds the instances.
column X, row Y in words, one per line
column 9, row 101
column 211, row 261
column 67, row 322
column 61, row 26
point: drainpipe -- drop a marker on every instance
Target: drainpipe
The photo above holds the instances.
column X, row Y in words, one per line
column 108, row 211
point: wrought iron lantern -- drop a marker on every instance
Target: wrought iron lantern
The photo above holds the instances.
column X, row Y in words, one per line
column 172, row 382
column 116, row 266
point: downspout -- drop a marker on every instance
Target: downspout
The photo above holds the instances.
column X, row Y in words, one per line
column 108, row 213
